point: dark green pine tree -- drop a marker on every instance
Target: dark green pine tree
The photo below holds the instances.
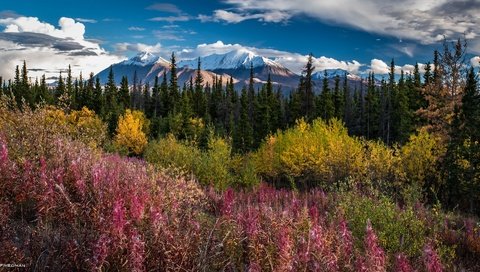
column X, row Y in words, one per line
column 44, row 94
column 186, row 113
column 309, row 102
column 98, row 99
column 174, row 93
column 60, row 90
column 111, row 92
column 230, row 101
column 401, row 113
column 70, row 98
column 262, row 117
column 372, row 109
column 89, row 93
column 124, row 94
column 146, row 98
column 251, row 95
column 25, row 88
column 82, row 97
column 416, row 98
column 338, row 100
column 199, row 100
column 155, row 107
column 386, row 102
column 274, row 106
column 295, row 111
column 243, row 136
column 164, row 97
column 348, row 109
column 112, row 111
column 326, row 107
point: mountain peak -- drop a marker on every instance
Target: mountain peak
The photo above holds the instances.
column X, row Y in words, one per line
column 236, row 59
column 143, row 59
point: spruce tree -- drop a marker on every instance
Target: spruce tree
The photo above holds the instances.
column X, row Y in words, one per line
column 164, row 97
column 309, row 102
column 326, row 107
column 338, row 100
column 124, row 94
column 243, row 137
column 174, row 94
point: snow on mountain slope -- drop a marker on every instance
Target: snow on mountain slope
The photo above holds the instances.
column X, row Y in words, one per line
column 236, row 59
column 144, row 59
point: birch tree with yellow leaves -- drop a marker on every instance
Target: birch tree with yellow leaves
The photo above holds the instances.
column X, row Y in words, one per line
column 132, row 132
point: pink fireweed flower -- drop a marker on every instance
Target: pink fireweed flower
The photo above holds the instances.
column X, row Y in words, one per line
column 228, row 201
column 137, row 251
column 4, row 153
column 375, row 256
column 346, row 238
column 431, row 259
column 285, row 247
column 137, row 206
column 118, row 217
column 100, row 251
column 402, row 264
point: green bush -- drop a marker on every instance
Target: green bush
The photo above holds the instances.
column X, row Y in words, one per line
column 213, row 166
column 398, row 230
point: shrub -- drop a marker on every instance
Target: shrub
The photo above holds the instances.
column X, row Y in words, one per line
column 214, row 166
column 32, row 134
column 398, row 230
column 132, row 131
column 323, row 154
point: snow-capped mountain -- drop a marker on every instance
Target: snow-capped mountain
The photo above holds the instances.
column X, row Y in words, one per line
column 235, row 64
column 332, row 73
column 144, row 59
column 146, row 66
column 141, row 64
column 237, row 59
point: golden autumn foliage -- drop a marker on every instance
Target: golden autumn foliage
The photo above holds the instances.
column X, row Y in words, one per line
column 34, row 132
column 320, row 151
column 323, row 153
column 132, row 132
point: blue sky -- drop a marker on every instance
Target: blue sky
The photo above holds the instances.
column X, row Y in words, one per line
column 343, row 34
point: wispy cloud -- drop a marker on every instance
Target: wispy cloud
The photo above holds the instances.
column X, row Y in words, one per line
column 122, row 48
column 84, row 20
column 136, row 28
column 111, row 20
column 171, row 19
column 168, row 35
column 165, row 7
column 234, row 17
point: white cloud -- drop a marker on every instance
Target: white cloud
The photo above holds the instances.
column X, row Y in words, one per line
column 165, row 7
column 136, row 28
column 123, row 48
column 171, row 19
column 68, row 27
column 426, row 21
column 48, row 49
column 85, row 20
column 226, row 16
column 380, row 67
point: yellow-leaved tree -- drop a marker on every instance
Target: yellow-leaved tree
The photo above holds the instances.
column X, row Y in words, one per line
column 132, row 132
